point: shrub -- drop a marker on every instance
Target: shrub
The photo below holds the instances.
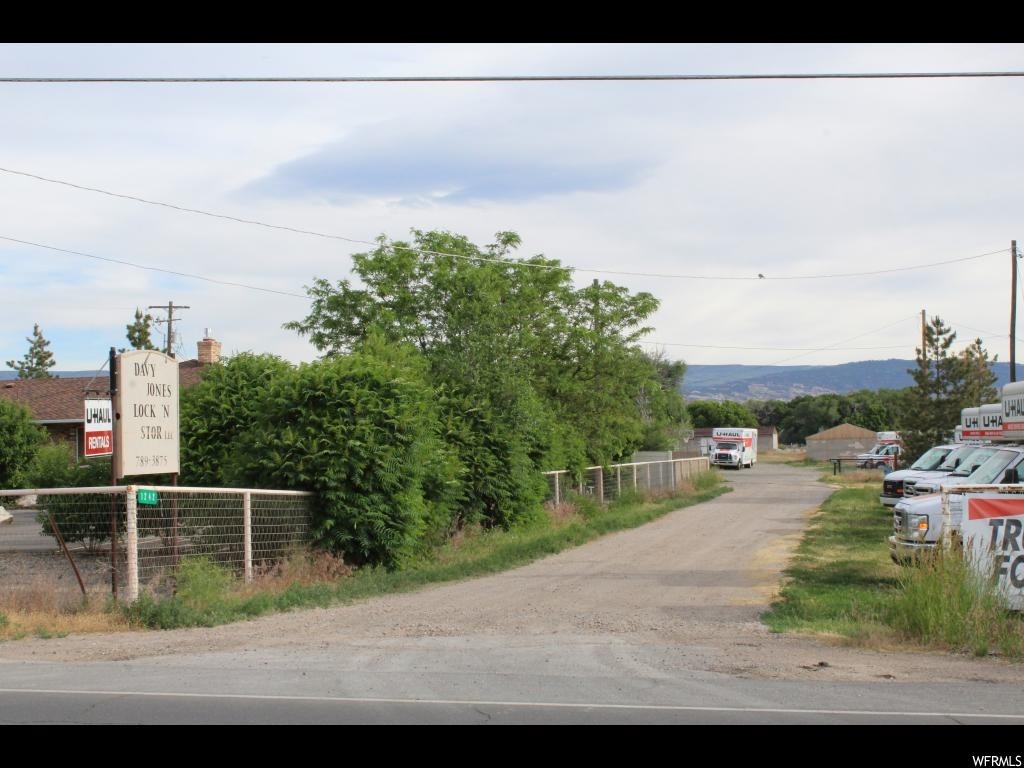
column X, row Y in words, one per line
column 359, row 432
column 21, row 439
column 230, row 399
column 79, row 518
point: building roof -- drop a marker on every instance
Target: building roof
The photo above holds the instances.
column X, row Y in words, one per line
column 844, row 432
column 62, row 399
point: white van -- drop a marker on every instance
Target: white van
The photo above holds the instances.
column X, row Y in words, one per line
column 734, row 447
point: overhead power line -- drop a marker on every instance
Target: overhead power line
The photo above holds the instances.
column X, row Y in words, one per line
column 844, row 341
column 485, row 259
column 155, row 269
column 766, row 349
column 519, row 78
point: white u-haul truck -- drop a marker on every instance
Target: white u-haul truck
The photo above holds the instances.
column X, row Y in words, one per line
column 734, row 447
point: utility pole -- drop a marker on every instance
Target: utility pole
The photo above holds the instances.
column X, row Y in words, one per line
column 170, row 323
column 1013, row 310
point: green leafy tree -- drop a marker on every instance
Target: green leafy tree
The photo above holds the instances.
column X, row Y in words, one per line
column 230, row 399
column 769, row 413
column 77, row 517
column 944, row 384
column 361, row 432
column 489, row 324
column 727, row 413
column 139, row 331
column 38, row 361
column 22, row 438
column 661, row 404
column 866, row 409
column 808, row 415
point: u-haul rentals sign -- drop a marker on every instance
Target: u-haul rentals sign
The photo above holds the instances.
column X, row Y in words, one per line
column 993, row 528
column 147, row 413
column 99, row 428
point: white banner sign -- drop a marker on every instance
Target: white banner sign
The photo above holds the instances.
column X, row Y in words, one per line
column 99, row 428
column 147, row 410
column 993, row 528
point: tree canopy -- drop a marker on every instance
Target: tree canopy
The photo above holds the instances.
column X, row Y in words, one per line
column 504, row 331
column 712, row 413
column 138, row 331
column 38, row 361
column 944, row 383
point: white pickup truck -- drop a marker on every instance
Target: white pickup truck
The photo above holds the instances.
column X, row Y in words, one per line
column 934, row 460
column 918, row 522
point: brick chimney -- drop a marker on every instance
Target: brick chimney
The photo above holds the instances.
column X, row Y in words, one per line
column 209, row 349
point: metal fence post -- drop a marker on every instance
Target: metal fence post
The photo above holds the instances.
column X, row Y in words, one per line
column 556, row 489
column 247, row 534
column 618, row 481
column 132, row 552
column 600, row 485
column 634, row 477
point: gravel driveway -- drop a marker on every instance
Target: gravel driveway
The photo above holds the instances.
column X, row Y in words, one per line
column 690, row 585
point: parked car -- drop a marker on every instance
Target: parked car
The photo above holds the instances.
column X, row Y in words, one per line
column 883, row 454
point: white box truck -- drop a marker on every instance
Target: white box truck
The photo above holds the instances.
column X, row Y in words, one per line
column 734, row 447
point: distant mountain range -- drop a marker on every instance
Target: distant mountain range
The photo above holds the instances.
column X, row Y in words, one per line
column 7, row 375
column 784, row 382
column 763, row 382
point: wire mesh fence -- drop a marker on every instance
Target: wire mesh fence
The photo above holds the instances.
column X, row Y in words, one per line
column 55, row 545
column 609, row 483
column 126, row 538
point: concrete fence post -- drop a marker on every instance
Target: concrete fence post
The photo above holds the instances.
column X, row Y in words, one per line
column 132, row 552
column 247, row 534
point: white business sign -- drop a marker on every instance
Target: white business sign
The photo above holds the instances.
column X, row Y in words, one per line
column 993, row 527
column 99, row 428
column 1013, row 410
column 147, row 413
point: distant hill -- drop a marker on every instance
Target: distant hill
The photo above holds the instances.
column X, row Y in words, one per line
column 784, row 382
column 8, row 375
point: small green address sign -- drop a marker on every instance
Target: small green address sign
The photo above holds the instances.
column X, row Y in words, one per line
column 143, row 496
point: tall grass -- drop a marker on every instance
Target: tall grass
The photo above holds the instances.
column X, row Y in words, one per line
column 842, row 582
column 947, row 602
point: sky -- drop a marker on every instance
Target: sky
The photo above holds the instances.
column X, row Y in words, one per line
column 686, row 189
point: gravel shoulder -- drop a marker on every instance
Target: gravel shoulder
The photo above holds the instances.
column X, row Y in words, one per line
column 689, row 586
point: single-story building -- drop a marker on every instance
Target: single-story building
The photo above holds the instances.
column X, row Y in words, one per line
column 58, row 404
column 842, row 440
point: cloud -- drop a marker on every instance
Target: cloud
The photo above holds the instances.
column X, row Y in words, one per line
column 465, row 164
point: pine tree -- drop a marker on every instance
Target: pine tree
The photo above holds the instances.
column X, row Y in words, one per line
column 138, row 331
column 979, row 386
column 37, row 361
column 944, row 384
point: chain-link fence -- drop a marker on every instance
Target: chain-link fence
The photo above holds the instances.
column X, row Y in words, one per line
column 608, row 483
column 121, row 538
